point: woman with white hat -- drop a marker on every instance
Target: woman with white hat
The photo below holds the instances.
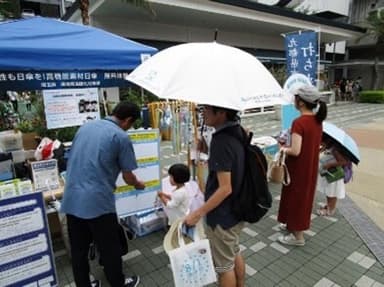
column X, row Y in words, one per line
column 302, row 161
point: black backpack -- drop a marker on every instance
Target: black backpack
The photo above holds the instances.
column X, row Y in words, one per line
column 254, row 199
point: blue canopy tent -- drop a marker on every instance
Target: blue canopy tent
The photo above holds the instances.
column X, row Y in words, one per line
column 44, row 53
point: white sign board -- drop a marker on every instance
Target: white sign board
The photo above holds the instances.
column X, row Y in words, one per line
column 70, row 107
column 45, row 175
column 146, row 144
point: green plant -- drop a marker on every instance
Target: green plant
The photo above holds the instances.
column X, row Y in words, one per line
column 39, row 125
column 66, row 134
column 25, row 126
column 376, row 24
column 139, row 97
column 279, row 73
column 372, row 96
column 9, row 9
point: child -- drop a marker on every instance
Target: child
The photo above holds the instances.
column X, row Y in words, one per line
column 330, row 158
column 176, row 204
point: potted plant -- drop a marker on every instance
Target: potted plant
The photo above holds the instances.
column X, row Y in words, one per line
column 29, row 134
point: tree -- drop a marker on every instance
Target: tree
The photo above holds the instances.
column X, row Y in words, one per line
column 9, row 9
column 84, row 8
column 375, row 27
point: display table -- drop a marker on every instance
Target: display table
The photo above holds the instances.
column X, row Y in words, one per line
column 53, row 194
column 55, row 226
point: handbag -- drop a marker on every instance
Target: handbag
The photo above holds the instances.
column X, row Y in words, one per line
column 334, row 174
column 278, row 171
column 191, row 264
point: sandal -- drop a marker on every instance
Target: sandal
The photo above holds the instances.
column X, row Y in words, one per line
column 324, row 211
column 331, row 212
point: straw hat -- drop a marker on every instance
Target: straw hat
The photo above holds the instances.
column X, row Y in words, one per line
column 171, row 238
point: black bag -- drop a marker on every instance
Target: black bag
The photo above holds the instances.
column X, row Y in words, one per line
column 254, row 199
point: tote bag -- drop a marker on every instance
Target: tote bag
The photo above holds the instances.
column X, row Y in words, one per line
column 278, row 171
column 192, row 264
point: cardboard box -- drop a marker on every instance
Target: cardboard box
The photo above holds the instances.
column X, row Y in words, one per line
column 29, row 140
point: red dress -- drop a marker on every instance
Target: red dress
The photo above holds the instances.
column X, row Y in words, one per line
column 297, row 198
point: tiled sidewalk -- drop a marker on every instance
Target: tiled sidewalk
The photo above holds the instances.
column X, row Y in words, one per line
column 334, row 255
column 338, row 251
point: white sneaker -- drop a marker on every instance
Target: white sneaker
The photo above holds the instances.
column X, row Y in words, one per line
column 290, row 239
column 96, row 283
column 132, row 281
column 283, row 226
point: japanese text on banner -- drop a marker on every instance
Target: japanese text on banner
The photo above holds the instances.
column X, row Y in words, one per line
column 301, row 53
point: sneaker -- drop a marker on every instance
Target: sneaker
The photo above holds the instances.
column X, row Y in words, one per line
column 282, row 226
column 96, row 283
column 132, row 281
column 290, row 239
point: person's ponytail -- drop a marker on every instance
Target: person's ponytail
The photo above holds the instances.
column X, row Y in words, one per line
column 321, row 114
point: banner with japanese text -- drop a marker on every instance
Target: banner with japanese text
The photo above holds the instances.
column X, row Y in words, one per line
column 44, row 80
column 302, row 54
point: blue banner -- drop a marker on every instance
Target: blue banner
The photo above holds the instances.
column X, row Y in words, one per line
column 45, row 80
column 302, row 53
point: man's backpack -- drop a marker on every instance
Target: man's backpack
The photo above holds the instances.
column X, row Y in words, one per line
column 254, row 199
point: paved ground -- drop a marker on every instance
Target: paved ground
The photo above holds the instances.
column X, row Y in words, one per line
column 366, row 188
column 343, row 250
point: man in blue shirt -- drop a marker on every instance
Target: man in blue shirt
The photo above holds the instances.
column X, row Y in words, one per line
column 226, row 170
column 100, row 151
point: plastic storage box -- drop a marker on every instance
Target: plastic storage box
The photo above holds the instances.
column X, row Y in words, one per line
column 145, row 222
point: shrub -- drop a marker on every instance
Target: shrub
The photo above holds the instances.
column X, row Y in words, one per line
column 372, row 96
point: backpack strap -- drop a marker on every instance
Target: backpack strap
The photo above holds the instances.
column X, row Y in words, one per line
column 245, row 140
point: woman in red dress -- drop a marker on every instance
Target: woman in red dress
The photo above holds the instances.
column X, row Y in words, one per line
column 302, row 162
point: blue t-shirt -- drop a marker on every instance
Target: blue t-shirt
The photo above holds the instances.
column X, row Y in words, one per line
column 100, row 150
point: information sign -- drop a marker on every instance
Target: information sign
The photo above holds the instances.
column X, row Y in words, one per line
column 147, row 151
column 70, row 107
column 26, row 257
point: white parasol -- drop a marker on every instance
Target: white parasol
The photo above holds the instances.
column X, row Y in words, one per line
column 211, row 74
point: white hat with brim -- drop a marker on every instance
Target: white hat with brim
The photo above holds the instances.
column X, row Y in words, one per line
column 171, row 239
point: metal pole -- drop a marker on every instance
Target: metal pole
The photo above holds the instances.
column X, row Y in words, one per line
column 319, row 56
column 62, row 8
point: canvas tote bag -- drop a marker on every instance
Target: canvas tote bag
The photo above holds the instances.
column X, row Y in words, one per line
column 278, row 171
column 191, row 264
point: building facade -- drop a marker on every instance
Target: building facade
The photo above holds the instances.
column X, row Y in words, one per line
column 255, row 26
column 364, row 56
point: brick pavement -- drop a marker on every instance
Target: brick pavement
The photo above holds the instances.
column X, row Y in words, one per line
column 343, row 250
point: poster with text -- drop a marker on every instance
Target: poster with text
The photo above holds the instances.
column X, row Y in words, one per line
column 45, row 175
column 146, row 144
column 70, row 107
column 26, row 257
